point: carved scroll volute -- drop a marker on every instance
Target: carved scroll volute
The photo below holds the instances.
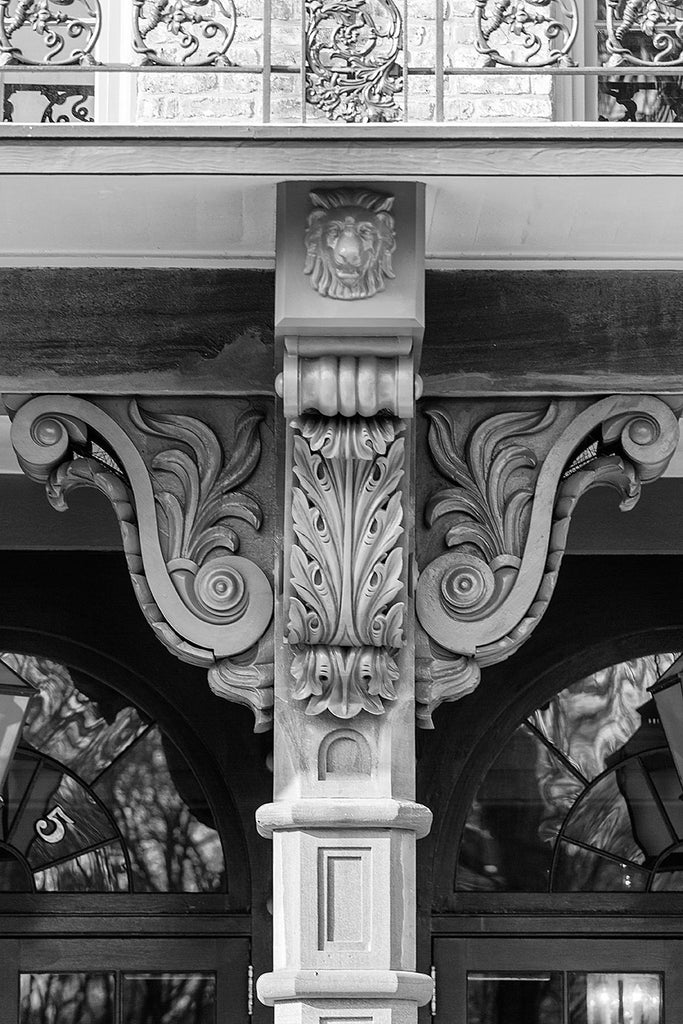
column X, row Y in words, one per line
column 176, row 510
column 514, row 480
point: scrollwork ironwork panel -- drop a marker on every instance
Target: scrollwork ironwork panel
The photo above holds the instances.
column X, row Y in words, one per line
column 54, row 32
column 521, row 33
column 644, row 32
column 48, row 104
column 181, row 32
column 354, row 59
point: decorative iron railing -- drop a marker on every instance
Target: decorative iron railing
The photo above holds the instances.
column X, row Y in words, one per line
column 372, row 60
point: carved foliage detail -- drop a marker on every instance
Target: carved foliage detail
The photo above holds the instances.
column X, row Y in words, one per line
column 346, row 562
column 488, row 506
column 204, row 602
column 196, row 499
column 344, row 680
column 350, row 239
column 516, row 479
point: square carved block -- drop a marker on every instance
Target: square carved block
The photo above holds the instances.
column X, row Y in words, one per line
column 340, row 902
column 350, row 260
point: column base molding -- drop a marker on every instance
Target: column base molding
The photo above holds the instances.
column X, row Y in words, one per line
column 287, row 815
column 402, row 986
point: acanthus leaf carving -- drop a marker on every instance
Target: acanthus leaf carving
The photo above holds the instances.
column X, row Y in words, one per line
column 345, row 622
column 203, row 601
column 516, row 482
column 346, row 561
column 248, row 679
column 440, row 676
column 344, row 680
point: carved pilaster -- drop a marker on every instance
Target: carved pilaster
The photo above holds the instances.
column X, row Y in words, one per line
column 176, row 489
column 344, row 822
column 515, row 472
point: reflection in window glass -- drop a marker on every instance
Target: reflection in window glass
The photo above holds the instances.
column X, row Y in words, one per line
column 169, row 999
column 96, row 799
column 585, row 795
column 69, row 726
column 102, row 870
column 514, row 999
column 67, row 999
column 170, row 849
column 507, row 841
column 580, row 870
column 614, row 998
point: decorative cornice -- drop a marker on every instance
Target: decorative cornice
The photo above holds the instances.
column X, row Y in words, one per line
column 205, row 602
column 515, row 478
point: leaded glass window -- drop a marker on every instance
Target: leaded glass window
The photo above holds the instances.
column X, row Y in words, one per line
column 95, row 798
column 584, row 797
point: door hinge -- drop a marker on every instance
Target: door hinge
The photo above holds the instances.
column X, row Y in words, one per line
column 250, row 990
column 432, row 1005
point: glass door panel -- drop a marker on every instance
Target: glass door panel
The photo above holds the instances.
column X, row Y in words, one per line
column 193, row 980
column 512, row 979
column 527, row 998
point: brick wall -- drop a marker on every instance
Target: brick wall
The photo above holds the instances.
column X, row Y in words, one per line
column 238, row 97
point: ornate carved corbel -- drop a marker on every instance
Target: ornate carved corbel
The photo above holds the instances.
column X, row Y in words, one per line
column 515, row 476
column 348, row 386
column 177, row 498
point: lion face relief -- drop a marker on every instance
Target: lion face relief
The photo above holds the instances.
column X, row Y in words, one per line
column 350, row 238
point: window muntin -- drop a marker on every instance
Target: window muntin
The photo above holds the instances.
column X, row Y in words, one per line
column 564, row 808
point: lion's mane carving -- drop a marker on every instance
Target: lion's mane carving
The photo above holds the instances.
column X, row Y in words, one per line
column 350, row 238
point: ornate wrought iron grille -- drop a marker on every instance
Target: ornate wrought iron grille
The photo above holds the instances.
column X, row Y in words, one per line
column 364, row 61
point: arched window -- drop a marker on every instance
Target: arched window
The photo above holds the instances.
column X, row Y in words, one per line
column 99, row 806
column 584, row 797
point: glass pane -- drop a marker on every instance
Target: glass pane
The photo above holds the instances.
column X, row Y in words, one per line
column 67, row 999
column 103, row 870
column 67, row 725
column 169, row 999
column 171, row 850
column 593, row 718
column 508, row 839
column 614, row 998
column 17, row 784
column 14, row 873
column 602, row 819
column 579, row 870
column 63, row 821
column 664, row 777
column 514, row 999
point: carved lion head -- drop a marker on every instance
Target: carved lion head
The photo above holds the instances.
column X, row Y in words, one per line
column 350, row 238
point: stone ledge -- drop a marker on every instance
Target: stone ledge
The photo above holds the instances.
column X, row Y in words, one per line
column 405, row 986
column 288, row 815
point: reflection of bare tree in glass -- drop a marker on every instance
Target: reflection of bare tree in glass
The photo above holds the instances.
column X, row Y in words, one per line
column 169, row 999
column 170, row 850
column 67, row 999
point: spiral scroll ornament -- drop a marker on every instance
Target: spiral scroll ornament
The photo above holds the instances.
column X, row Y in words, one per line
column 51, row 32
column 647, row 33
column 515, row 483
column 353, row 53
column 189, row 33
column 526, row 33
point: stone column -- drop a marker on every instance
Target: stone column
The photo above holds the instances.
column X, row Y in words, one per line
column 344, row 822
